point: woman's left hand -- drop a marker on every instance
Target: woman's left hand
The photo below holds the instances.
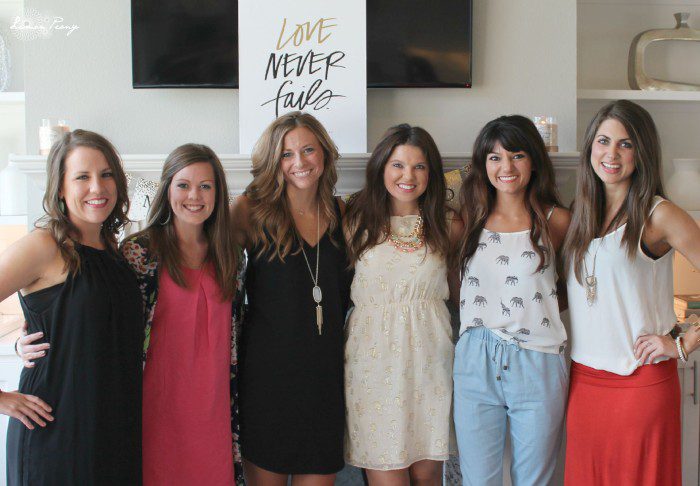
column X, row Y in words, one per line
column 651, row 346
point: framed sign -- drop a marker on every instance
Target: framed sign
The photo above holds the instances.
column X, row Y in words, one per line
column 308, row 56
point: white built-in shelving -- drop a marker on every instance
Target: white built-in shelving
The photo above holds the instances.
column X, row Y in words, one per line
column 11, row 97
column 636, row 94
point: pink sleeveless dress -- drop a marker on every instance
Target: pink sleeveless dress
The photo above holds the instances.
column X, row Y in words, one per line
column 186, row 409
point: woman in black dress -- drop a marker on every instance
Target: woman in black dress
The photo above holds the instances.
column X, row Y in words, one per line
column 291, row 367
column 76, row 290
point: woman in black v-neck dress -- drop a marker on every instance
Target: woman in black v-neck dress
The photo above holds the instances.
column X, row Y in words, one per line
column 291, row 388
column 78, row 291
column 291, row 377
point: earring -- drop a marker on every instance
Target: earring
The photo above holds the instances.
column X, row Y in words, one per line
column 167, row 220
column 62, row 206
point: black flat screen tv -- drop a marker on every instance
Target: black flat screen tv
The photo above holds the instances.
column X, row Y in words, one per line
column 194, row 43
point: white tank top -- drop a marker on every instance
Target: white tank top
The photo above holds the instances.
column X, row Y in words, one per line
column 634, row 297
column 501, row 291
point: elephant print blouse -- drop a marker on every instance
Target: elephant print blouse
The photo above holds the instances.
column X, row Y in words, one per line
column 503, row 291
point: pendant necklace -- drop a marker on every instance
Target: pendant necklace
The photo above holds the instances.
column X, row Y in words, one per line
column 591, row 280
column 316, row 292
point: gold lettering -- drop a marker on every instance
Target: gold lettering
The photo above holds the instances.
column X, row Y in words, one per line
column 305, row 32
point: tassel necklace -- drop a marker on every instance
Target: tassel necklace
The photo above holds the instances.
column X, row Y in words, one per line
column 316, row 291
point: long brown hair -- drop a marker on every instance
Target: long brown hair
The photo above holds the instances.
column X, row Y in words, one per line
column 368, row 212
column 56, row 221
column 271, row 220
column 222, row 251
column 478, row 196
column 588, row 208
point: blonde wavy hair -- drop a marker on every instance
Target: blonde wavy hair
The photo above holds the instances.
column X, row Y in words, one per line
column 271, row 219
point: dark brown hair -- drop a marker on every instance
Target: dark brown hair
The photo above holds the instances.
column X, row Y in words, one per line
column 588, row 208
column 222, row 252
column 368, row 212
column 271, row 220
column 515, row 133
column 58, row 223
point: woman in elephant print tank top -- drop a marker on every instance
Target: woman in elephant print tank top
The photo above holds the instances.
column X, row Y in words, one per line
column 509, row 364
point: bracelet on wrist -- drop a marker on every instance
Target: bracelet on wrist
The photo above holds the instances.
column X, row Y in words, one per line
column 16, row 350
column 681, row 352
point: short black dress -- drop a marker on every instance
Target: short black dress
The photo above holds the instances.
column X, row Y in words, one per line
column 91, row 377
column 291, row 393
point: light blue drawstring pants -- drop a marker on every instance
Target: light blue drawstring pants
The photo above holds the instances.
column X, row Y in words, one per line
column 497, row 381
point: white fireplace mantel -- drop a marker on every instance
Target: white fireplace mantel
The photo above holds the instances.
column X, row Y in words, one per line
column 351, row 172
column 351, row 168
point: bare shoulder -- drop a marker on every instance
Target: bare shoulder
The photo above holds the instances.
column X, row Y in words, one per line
column 558, row 225
column 560, row 220
column 665, row 211
column 31, row 263
column 38, row 245
column 667, row 219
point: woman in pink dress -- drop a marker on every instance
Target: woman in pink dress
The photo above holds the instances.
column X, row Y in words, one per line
column 188, row 264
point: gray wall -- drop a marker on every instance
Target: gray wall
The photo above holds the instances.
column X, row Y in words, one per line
column 524, row 62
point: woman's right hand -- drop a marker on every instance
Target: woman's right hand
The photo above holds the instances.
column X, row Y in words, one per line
column 25, row 407
column 27, row 350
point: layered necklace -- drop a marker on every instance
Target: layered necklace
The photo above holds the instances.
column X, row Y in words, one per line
column 410, row 242
column 316, row 291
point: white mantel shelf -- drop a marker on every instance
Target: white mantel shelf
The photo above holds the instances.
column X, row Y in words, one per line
column 351, row 167
column 11, row 97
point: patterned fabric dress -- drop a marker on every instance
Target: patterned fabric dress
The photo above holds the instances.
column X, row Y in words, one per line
column 398, row 358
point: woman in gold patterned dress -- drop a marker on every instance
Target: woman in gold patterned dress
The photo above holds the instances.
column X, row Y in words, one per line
column 398, row 350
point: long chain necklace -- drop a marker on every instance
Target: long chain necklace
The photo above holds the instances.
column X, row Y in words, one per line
column 591, row 280
column 410, row 242
column 316, row 292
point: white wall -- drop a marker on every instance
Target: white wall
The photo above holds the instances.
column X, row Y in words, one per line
column 12, row 115
column 524, row 62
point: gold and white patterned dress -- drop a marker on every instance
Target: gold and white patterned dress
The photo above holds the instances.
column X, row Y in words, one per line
column 398, row 358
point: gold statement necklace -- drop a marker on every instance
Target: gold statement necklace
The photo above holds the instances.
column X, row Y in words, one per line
column 412, row 241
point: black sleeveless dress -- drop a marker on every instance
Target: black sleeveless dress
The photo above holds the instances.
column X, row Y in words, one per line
column 91, row 377
column 291, row 393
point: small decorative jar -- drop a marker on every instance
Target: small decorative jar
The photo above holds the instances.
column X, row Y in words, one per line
column 547, row 126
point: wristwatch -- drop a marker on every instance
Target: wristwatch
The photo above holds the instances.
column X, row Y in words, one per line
column 675, row 332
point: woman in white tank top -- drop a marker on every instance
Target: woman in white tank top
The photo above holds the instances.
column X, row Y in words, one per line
column 623, row 416
column 509, row 362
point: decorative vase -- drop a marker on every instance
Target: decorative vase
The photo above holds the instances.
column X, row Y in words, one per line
column 4, row 65
column 636, row 74
column 684, row 185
